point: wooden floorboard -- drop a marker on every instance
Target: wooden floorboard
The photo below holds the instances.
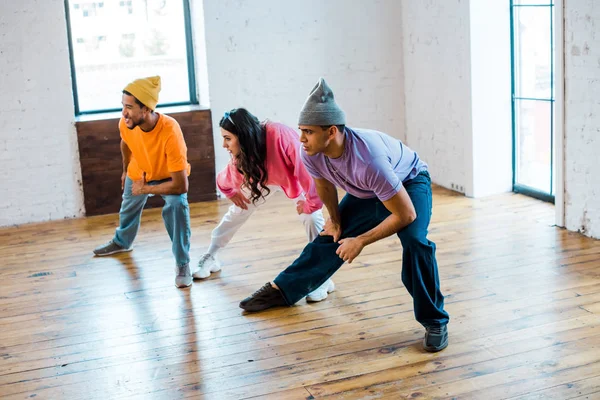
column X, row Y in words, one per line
column 523, row 295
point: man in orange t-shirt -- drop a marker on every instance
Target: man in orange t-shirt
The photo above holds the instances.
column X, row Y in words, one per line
column 154, row 163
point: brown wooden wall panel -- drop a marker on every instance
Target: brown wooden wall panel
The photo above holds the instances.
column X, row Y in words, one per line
column 101, row 164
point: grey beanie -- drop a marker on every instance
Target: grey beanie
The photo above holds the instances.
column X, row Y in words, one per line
column 320, row 107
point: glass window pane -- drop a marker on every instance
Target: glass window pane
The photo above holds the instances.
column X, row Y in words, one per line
column 533, row 2
column 533, row 51
column 116, row 41
column 533, row 124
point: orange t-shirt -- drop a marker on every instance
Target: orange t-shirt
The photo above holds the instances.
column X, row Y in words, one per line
column 158, row 152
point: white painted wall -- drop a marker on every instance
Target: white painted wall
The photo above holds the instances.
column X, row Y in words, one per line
column 438, row 86
column 582, row 116
column 199, row 40
column 457, row 82
column 266, row 55
column 490, row 169
column 40, row 174
column 559, row 114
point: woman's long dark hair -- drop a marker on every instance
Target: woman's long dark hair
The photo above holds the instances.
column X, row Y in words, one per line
column 250, row 162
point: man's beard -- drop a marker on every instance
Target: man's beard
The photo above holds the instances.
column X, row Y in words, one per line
column 136, row 123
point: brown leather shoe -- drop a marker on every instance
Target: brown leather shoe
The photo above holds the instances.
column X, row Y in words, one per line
column 265, row 297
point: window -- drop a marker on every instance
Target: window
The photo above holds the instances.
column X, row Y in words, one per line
column 88, row 9
column 533, row 97
column 114, row 42
column 127, row 6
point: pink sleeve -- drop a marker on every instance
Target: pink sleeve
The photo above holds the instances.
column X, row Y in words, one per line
column 292, row 151
column 229, row 181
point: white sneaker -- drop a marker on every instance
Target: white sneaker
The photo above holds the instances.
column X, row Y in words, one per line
column 184, row 276
column 206, row 265
column 321, row 292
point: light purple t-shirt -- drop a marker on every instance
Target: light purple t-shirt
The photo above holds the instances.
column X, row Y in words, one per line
column 373, row 165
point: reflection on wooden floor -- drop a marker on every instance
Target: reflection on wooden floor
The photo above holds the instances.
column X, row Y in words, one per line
column 524, row 300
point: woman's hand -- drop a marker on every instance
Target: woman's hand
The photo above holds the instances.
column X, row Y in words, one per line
column 300, row 206
column 240, row 200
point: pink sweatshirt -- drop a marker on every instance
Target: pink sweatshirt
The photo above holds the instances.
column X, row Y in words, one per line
column 284, row 169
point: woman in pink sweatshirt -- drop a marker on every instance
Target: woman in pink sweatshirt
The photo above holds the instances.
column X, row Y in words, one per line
column 264, row 158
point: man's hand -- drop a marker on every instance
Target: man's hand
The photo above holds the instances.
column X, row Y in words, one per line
column 332, row 229
column 349, row 249
column 123, row 177
column 138, row 186
column 240, row 200
column 300, row 206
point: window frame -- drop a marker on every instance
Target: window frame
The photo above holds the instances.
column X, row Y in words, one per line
column 193, row 95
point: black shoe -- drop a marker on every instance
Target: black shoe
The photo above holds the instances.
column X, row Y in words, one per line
column 265, row 297
column 436, row 339
column 110, row 248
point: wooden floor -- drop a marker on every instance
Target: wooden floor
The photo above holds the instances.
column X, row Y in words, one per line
column 523, row 296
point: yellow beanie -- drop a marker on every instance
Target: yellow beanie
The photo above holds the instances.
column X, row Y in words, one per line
column 145, row 90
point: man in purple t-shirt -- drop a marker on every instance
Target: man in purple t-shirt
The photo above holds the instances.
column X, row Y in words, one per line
column 388, row 192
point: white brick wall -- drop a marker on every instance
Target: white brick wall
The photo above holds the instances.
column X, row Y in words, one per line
column 267, row 55
column 38, row 146
column 582, row 116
